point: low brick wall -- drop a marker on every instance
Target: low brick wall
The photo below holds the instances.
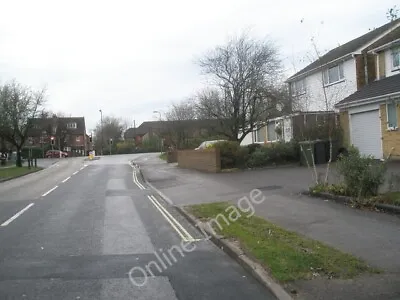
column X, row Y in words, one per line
column 172, row 156
column 203, row 160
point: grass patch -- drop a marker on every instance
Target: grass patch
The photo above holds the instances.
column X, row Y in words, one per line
column 392, row 198
column 15, row 172
column 163, row 156
column 287, row 255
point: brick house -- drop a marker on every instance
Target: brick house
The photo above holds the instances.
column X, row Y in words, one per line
column 174, row 131
column 69, row 134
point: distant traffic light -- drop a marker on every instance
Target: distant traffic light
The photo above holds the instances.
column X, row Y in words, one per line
column 91, row 139
column 111, row 141
column 52, row 141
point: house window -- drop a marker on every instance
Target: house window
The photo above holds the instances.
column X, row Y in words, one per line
column 271, row 131
column 71, row 125
column 259, row 135
column 391, row 115
column 333, row 74
column 299, row 88
column 78, row 139
column 396, row 58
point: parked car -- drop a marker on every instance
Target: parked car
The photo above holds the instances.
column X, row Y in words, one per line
column 206, row 144
column 55, row 154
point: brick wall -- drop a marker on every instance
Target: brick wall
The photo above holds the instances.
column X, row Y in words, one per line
column 360, row 69
column 390, row 139
column 203, row 160
column 345, row 126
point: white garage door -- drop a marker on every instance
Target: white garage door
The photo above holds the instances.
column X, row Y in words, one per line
column 366, row 133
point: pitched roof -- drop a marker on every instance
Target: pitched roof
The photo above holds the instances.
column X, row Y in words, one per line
column 44, row 124
column 376, row 89
column 147, row 126
column 347, row 48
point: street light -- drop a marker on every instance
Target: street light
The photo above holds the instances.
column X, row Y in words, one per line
column 101, row 126
column 159, row 118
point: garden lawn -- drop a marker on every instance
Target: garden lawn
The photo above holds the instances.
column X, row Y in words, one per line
column 11, row 172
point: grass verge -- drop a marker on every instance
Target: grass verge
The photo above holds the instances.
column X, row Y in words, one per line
column 12, row 172
column 163, row 156
column 392, row 198
column 287, row 255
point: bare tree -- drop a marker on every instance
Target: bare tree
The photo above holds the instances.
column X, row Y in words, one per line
column 392, row 13
column 112, row 128
column 19, row 105
column 184, row 110
column 175, row 131
column 243, row 74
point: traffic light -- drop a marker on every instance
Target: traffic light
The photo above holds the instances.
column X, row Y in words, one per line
column 91, row 139
column 111, row 141
column 52, row 141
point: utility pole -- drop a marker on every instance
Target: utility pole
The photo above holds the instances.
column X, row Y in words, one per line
column 134, row 132
column 101, row 125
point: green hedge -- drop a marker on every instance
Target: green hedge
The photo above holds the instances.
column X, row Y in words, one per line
column 274, row 154
column 255, row 155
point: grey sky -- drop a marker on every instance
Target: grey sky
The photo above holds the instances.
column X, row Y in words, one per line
column 132, row 57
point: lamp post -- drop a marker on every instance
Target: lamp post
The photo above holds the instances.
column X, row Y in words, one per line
column 101, row 125
column 159, row 118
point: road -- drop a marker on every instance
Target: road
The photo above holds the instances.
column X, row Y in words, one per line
column 94, row 230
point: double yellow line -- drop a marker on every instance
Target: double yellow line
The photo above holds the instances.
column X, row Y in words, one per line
column 172, row 221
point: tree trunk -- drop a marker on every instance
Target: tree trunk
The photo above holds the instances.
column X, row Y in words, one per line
column 19, row 158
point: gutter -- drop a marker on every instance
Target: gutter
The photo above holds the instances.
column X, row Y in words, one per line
column 367, row 100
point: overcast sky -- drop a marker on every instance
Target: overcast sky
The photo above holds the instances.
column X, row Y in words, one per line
column 130, row 58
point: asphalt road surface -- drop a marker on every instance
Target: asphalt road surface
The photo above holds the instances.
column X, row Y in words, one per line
column 94, row 230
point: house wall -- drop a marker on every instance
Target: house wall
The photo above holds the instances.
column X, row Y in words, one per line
column 388, row 64
column 360, row 61
column 203, row 160
column 248, row 139
column 314, row 99
column 345, row 126
column 390, row 139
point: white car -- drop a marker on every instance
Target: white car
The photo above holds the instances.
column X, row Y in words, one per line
column 206, row 144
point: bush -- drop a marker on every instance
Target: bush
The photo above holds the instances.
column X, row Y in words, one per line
column 253, row 147
column 277, row 153
column 232, row 155
column 362, row 175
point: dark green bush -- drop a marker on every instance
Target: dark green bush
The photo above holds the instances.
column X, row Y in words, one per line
column 253, row 147
column 232, row 155
column 277, row 153
column 363, row 175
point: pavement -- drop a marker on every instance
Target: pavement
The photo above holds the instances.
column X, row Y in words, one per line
column 93, row 230
column 369, row 235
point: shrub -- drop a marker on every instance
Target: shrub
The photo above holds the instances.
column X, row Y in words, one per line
column 232, row 155
column 277, row 153
column 362, row 175
column 253, row 147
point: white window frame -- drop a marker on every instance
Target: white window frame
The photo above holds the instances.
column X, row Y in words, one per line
column 327, row 80
column 277, row 138
column 299, row 87
column 71, row 125
column 257, row 135
column 395, row 53
column 387, row 116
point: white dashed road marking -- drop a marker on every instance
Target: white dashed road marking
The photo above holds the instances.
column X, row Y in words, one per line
column 49, row 191
column 16, row 215
column 66, row 179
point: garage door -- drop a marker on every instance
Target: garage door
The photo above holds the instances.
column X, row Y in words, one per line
column 366, row 133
